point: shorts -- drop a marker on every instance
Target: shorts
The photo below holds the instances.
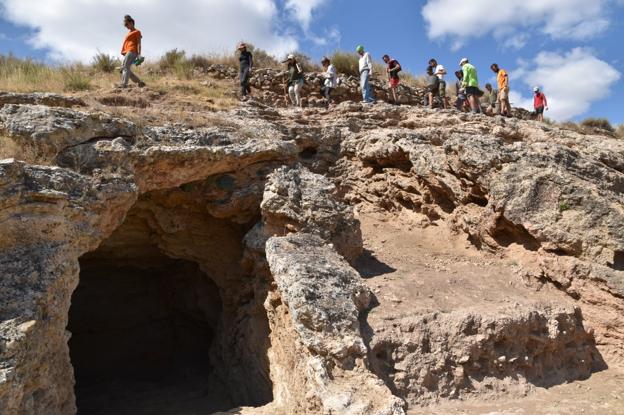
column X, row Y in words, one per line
column 394, row 82
column 503, row 94
column 442, row 89
column 472, row 91
column 539, row 110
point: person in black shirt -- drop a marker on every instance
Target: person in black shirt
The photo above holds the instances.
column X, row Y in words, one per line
column 393, row 69
column 246, row 65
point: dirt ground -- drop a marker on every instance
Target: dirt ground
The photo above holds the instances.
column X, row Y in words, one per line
column 413, row 270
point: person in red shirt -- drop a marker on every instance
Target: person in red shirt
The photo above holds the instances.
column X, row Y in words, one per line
column 393, row 69
column 539, row 103
column 131, row 50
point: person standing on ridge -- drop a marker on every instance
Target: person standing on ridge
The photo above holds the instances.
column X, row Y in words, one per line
column 131, row 51
column 393, row 69
column 295, row 80
column 433, row 86
column 460, row 91
column 330, row 80
column 440, row 72
column 539, row 103
column 366, row 71
column 245, row 66
column 493, row 101
column 502, row 79
column 471, row 84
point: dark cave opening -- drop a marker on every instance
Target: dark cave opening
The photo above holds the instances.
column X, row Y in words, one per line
column 153, row 334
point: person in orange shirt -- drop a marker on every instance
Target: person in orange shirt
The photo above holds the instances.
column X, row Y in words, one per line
column 503, row 89
column 131, row 50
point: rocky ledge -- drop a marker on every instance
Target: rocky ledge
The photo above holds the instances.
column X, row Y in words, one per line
column 224, row 257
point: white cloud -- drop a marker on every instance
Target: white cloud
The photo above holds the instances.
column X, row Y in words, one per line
column 77, row 29
column 510, row 20
column 571, row 81
column 302, row 10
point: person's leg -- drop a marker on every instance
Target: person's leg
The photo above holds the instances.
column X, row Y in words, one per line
column 243, row 81
column 363, row 80
column 291, row 94
column 125, row 69
column 442, row 93
column 129, row 61
column 297, row 88
column 430, row 96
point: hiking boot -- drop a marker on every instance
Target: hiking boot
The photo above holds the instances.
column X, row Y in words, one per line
column 141, row 84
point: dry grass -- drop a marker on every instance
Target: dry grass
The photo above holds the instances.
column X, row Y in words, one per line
column 10, row 149
column 598, row 123
column 619, row 131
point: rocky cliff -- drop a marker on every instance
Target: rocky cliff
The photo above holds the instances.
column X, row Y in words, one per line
column 224, row 267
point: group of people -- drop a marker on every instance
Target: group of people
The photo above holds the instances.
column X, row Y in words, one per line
column 466, row 87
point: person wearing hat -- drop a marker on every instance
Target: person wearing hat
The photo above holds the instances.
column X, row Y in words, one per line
column 131, row 51
column 539, row 103
column 471, row 83
column 245, row 59
column 330, row 80
column 295, row 80
column 366, row 71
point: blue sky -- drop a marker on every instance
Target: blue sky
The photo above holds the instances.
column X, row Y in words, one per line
column 572, row 48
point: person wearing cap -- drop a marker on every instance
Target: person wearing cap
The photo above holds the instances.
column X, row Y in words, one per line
column 471, row 83
column 366, row 71
column 131, row 51
column 245, row 60
column 502, row 79
column 440, row 72
column 393, row 68
column 493, row 102
column 540, row 103
column 330, row 80
column 295, row 80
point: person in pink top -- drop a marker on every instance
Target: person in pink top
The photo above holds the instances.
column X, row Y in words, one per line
column 539, row 103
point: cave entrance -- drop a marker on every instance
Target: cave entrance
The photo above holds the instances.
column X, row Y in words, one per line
column 154, row 334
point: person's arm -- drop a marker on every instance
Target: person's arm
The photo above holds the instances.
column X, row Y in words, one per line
column 298, row 67
column 545, row 102
column 465, row 77
column 139, row 44
column 250, row 62
column 369, row 64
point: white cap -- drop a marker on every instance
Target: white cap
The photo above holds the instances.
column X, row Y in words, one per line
column 464, row 60
column 290, row 56
column 536, row 89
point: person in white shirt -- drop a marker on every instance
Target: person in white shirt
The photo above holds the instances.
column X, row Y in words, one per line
column 366, row 71
column 331, row 79
column 440, row 72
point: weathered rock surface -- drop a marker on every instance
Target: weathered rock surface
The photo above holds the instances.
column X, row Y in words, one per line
column 262, row 204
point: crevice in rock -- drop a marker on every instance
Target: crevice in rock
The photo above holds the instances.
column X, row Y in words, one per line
column 507, row 233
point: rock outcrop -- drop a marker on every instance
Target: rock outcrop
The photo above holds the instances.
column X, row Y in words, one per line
column 252, row 223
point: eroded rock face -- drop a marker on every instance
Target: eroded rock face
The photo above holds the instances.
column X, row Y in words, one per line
column 262, row 205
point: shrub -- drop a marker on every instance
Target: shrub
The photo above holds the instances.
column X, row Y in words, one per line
column 74, row 79
column 183, row 69
column 345, row 63
column 599, row 123
column 619, row 132
column 170, row 59
column 103, row 62
column 261, row 58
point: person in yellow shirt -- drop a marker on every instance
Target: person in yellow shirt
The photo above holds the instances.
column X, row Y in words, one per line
column 131, row 51
column 502, row 80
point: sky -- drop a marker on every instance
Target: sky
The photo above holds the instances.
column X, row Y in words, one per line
column 570, row 48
